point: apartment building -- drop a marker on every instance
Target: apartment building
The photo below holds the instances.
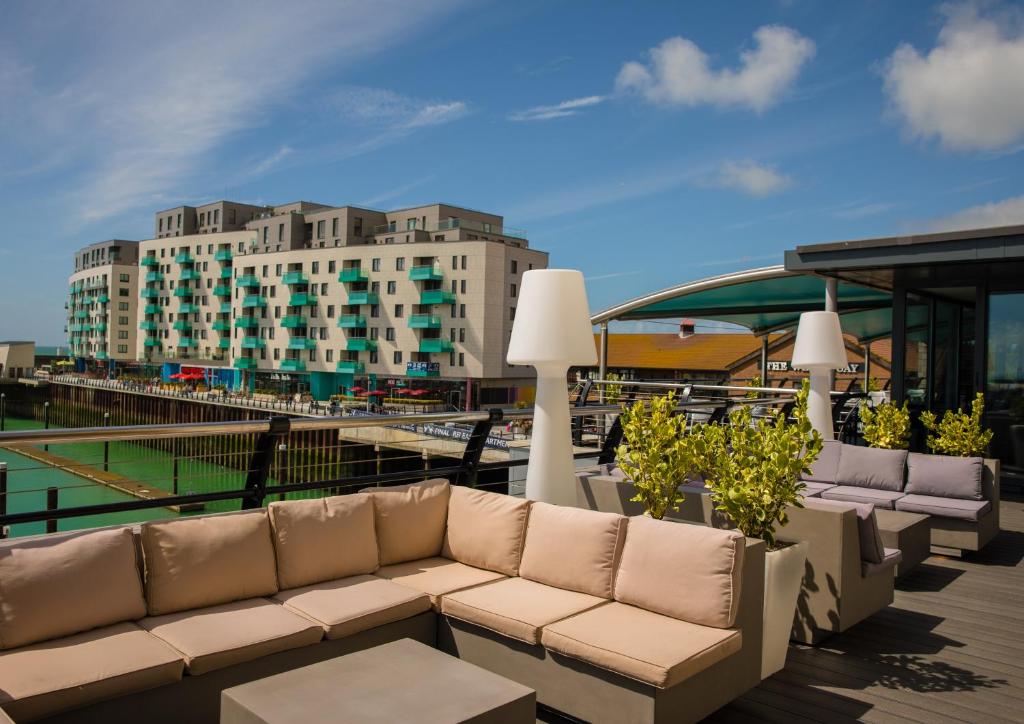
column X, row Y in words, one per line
column 311, row 297
column 102, row 305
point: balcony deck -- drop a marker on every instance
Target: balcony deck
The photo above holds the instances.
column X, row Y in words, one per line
column 950, row 648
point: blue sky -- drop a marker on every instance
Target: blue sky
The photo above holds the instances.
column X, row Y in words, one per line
column 646, row 143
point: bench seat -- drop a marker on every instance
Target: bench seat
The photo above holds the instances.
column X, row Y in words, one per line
column 853, row 494
column 437, row 576
column 944, row 507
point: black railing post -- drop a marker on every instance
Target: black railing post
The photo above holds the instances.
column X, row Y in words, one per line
column 475, row 448
column 106, row 444
column 51, row 504
column 261, row 460
column 174, row 472
column 3, row 496
column 577, row 422
column 3, row 412
column 46, row 422
column 612, row 440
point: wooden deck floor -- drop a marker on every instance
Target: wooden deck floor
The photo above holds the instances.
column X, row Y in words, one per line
column 950, row 648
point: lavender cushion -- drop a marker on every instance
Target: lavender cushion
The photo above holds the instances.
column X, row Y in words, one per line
column 853, row 494
column 824, row 468
column 944, row 476
column 871, row 548
column 868, row 467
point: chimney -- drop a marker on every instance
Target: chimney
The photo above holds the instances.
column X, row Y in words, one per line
column 687, row 329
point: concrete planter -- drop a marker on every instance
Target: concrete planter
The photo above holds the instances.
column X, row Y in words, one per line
column 783, row 573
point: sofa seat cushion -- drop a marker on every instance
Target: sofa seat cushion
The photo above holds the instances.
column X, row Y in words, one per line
column 889, row 561
column 437, row 576
column 67, row 673
column 869, row 467
column 640, row 644
column 945, row 476
column 516, row 607
column 350, row 605
column 814, row 490
column 944, row 507
column 232, row 633
column 410, row 519
column 852, row 494
column 485, row 530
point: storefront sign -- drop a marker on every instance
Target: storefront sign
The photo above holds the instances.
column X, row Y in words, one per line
column 446, row 432
column 783, row 365
column 434, row 367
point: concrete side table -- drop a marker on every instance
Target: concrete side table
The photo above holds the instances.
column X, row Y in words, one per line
column 401, row 681
column 910, row 532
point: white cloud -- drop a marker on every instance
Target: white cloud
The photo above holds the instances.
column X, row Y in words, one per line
column 862, row 210
column 679, row 73
column 1007, row 212
column 379, row 107
column 751, row 178
column 559, row 110
column 967, row 91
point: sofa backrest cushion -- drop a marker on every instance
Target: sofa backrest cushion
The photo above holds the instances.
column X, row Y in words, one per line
column 485, row 530
column 688, row 572
column 572, row 548
column 323, row 539
column 60, row 585
column 868, row 467
column 945, row 476
column 197, row 562
column 825, row 467
column 410, row 520
column 870, row 537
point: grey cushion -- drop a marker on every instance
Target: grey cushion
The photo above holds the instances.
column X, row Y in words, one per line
column 824, row 468
column 871, row 548
column 868, row 467
column 813, row 490
column 851, row 494
column 945, row 476
column 891, row 557
column 944, row 507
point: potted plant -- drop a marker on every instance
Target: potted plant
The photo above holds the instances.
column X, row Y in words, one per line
column 886, row 426
column 752, row 470
column 959, row 434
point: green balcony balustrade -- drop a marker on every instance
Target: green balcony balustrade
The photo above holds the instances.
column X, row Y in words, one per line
column 245, row 363
column 183, row 324
column 351, row 366
column 425, row 274
column 225, row 308
column 81, row 314
column 96, row 285
column 224, row 343
column 185, row 257
column 184, row 292
column 295, row 277
column 189, row 275
column 352, row 321
column 154, row 276
column 152, row 309
column 425, row 321
column 352, row 274
column 222, row 290
column 149, row 261
column 103, row 299
column 293, row 365
column 152, row 342
column 253, row 343
column 254, row 300
column 436, row 296
column 247, row 322
column 187, row 342
column 225, row 273
column 149, row 294
column 248, row 280
column 101, row 355
column 434, row 346
column 188, row 308
column 360, row 344
column 293, row 321
column 363, row 298
column 222, row 325
column 302, row 299
column 301, row 343
column 148, row 324
column 223, row 255
column 101, row 327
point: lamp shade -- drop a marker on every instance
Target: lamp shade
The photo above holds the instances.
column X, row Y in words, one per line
column 819, row 342
column 552, row 323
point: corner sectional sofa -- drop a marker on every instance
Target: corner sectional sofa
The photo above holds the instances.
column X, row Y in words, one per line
column 597, row 612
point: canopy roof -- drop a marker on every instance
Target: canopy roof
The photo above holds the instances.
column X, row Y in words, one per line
column 762, row 300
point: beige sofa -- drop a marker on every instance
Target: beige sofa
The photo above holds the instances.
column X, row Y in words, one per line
column 597, row 612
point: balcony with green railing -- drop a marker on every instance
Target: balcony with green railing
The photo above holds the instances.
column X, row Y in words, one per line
column 253, row 343
column 222, row 325
column 101, row 327
column 302, row 299
column 149, row 261
column 245, row 363
column 436, row 296
column 301, row 343
column 222, row 290
column 102, row 355
column 360, row 344
column 188, row 308
column 352, row 274
column 224, row 308
column 352, row 321
column 103, row 299
column 152, row 309
column 149, row 294
column 254, row 300
column 148, row 324
column 185, row 257
column 82, row 314
column 425, row 321
column 292, row 364
column 295, row 277
column 248, row 280
column 187, row 342
column 154, row 276
column 425, row 274
column 224, row 343
column 184, row 292
column 225, row 273
column 188, row 275
column 363, row 298
column 351, row 366
column 422, row 371
column 223, row 255
column 435, row 346
column 152, row 342
column 183, row 324
column 293, row 321
column 247, row 322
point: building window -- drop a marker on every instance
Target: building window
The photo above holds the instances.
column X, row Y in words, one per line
column 321, row 226
column 280, row 233
column 330, row 311
column 399, row 311
column 462, row 286
column 397, row 357
column 374, row 332
column 315, row 268
column 373, row 358
column 400, row 264
column 216, row 216
column 265, row 235
column 512, row 290
column 331, row 266
column 512, row 313
column 392, row 287
column 329, row 355
column 122, row 349
column 277, row 353
column 277, row 270
column 123, row 334
column 515, row 266
column 389, row 334
column 462, row 359
column 374, row 310
column 375, row 265
column 462, row 334
column 410, row 224
column 463, row 261
column 122, row 306
column 334, row 226
column 122, row 320
column 462, row 311
column 122, row 292
column 455, row 262
column 123, row 277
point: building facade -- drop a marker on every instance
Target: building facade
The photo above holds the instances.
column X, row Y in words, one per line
column 102, row 305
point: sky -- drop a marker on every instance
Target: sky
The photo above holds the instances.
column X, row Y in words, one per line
column 644, row 143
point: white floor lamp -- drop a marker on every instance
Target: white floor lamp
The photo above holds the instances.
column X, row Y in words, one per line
column 552, row 332
column 819, row 349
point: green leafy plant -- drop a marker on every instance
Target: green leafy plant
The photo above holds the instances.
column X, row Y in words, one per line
column 753, row 468
column 655, row 453
column 612, row 393
column 886, row 426
column 958, row 434
column 874, row 385
column 755, row 381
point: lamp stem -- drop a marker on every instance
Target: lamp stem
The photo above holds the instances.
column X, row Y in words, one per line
column 550, row 476
column 819, row 404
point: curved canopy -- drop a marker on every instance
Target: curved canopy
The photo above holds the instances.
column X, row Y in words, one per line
column 762, row 300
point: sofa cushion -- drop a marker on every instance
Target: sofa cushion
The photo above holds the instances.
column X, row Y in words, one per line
column 868, row 467
column 437, row 576
column 868, row 533
column 640, row 644
column 233, row 633
column 51, row 587
column 825, row 467
column 197, row 562
column 350, row 605
column 410, row 520
column 323, row 539
column 516, row 607
column 944, row 507
column 945, row 476
column 67, row 673
column 890, row 559
column 852, row 494
column 689, row 572
column 485, row 530
column 814, row 490
column 572, row 548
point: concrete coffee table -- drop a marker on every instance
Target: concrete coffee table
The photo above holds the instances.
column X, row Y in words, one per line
column 402, row 681
column 910, row 532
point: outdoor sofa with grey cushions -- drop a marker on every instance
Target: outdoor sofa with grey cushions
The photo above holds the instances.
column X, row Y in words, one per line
column 597, row 612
